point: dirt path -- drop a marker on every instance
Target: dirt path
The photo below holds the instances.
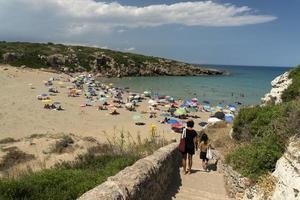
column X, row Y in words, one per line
column 199, row 185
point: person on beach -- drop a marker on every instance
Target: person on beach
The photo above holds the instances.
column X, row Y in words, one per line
column 190, row 144
column 204, row 145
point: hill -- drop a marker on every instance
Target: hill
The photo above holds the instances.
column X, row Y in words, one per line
column 103, row 62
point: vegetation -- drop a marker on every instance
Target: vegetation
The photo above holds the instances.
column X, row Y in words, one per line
column 69, row 180
column 29, row 54
column 62, row 144
column 14, row 156
column 263, row 133
column 8, row 140
column 293, row 91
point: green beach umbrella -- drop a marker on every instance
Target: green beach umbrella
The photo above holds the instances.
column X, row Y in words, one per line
column 192, row 110
column 137, row 118
column 165, row 115
column 180, row 111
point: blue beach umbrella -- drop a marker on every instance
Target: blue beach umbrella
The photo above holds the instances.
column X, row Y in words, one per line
column 172, row 121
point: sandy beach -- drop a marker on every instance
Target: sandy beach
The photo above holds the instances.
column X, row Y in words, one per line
column 21, row 114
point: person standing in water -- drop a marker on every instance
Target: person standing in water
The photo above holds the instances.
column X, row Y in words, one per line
column 190, row 145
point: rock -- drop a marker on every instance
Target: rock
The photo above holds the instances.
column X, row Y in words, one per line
column 66, row 69
column 287, row 174
column 56, row 60
column 9, row 57
column 279, row 84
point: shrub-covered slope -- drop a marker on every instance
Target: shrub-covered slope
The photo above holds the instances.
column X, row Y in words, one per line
column 263, row 132
column 103, row 62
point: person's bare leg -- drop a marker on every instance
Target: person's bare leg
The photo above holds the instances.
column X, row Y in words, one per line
column 203, row 165
column 190, row 162
column 206, row 165
column 184, row 164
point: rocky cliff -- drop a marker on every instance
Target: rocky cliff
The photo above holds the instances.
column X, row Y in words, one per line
column 279, row 84
column 103, row 62
column 286, row 184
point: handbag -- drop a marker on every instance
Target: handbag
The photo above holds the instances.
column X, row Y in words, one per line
column 181, row 146
column 209, row 154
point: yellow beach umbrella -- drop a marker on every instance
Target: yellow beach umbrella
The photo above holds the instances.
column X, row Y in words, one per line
column 47, row 101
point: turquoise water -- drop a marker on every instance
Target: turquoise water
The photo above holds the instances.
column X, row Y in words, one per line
column 246, row 84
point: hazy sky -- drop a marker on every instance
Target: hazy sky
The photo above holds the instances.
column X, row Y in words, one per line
column 246, row 32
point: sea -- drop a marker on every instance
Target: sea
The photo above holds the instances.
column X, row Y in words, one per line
column 243, row 84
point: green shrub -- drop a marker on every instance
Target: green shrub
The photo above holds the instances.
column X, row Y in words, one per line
column 292, row 92
column 69, row 180
column 257, row 158
column 264, row 133
column 66, row 181
column 253, row 122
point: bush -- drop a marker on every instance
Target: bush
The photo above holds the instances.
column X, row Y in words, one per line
column 264, row 132
column 65, row 182
column 253, row 122
column 69, row 180
column 8, row 140
column 62, row 144
column 13, row 157
column 257, row 158
column 292, row 92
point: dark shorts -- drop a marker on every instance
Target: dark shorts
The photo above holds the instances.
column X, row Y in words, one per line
column 203, row 156
column 190, row 151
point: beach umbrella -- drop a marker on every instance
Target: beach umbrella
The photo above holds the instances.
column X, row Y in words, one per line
column 203, row 124
column 232, row 109
column 147, row 93
column 219, row 115
column 137, row 118
column 177, row 125
column 151, row 101
column 213, row 120
column 206, row 102
column 229, row 118
column 172, row 121
column 219, row 106
column 192, row 110
column 180, row 111
column 164, row 115
column 102, row 100
column 171, row 99
column 47, row 101
column 195, row 100
column 172, row 110
column 207, row 107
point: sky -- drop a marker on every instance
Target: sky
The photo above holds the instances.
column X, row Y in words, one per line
column 229, row 32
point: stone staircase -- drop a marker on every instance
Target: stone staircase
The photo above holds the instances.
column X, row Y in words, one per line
column 200, row 185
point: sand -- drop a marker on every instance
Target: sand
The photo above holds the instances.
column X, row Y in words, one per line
column 22, row 115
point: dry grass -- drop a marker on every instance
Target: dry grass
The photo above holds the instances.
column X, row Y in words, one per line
column 63, row 145
column 8, row 140
column 220, row 138
column 267, row 184
column 13, row 157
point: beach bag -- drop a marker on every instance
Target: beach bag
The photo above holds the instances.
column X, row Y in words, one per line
column 209, row 154
column 181, row 146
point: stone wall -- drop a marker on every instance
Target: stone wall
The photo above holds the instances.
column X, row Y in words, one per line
column 236, row 184
column 147, row 179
